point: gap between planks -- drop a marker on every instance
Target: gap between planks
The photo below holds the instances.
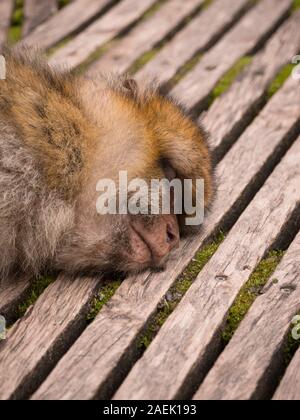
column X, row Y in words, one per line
column 36, row 12
column 252, row 362
column 111, row 338
column 145, row 36
column 289, row 388
column 190, row 339
column 66, row 22
column 116, row 20
column 6, row 10
column 250, row 32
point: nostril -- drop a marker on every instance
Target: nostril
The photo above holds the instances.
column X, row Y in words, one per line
column 171, row 236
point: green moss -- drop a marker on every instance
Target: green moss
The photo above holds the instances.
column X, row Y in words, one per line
column 250, row 292
column 295, row 5
column 184, row 70
column 57, row 46
column 15, row 30
column 177, row 291
column 37, row 288
column 279, row 80
column 229, row 77
column 62, row 3
column 291, row 347
column 143, row 60
column 103, row 296
column 153, row 9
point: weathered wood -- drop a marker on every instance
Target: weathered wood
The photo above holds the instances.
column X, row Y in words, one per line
column 12, row 292
column 289, row 388
column 6, row 9
column 102, row 30
column 251, row 363
column 36, row 12
column 241, row 40
column 36, row 342
column 188, row 342
column 145, row 36
column 197, row 36
column 231, row 112
column 110, row 339
column 66, row 22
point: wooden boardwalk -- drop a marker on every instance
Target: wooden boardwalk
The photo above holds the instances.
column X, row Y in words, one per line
column 52, row 352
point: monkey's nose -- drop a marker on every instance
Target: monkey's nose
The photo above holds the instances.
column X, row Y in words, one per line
column 161, row 237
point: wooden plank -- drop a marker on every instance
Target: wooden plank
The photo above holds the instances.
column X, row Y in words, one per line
column 289, row 388
column 12, row 292
column 111, row 338
column 6, row 9
column 101, row 31
column 188, row 342
column 231, row 112
column 198, row 35
column 250, row 364
column 36, row 12
column 35, row 343
column 241, row 40
column 145, row 36
column 66, row 22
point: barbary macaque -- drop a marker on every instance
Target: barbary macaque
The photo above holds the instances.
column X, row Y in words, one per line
column 60, row 133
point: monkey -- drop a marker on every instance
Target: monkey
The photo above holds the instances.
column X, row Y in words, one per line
column 60, row 132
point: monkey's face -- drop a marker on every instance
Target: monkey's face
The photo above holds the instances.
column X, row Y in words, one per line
column 141, row 136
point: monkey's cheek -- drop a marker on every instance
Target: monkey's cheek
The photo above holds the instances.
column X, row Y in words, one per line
column 138, row 252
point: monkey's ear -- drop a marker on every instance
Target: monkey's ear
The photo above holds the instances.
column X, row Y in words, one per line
column 131, row 86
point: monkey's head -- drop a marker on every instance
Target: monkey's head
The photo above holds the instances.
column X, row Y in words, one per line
column 141, row 134
column 81, row 132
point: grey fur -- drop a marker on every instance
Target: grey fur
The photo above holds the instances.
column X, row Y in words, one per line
column 33, row 220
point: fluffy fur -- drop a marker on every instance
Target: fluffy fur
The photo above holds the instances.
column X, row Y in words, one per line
column 59, row 134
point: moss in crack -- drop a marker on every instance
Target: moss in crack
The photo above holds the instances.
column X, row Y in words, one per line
column 15, row 30
column 37, row 288
column 228, row 79
column 279, row 80
column 149, row 55
column 107, row 290
column 184, row 70
column 295, row 5
column 62, row 3
column 292, row 344
column 250, row 292
column 177, row 291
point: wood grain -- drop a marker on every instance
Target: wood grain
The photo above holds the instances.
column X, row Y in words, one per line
column 6, row 9
column 232, row 111
column 102, row 30
column 289, row 388
column 36, row 12
column 145, row 36
column 241, row 40
column 189, row 340
column 66, row 22
column 251, row 363
column 111, row 340
column 36, row 342
column 204, row 30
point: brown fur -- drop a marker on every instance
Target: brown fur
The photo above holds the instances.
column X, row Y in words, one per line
column 72, row 132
